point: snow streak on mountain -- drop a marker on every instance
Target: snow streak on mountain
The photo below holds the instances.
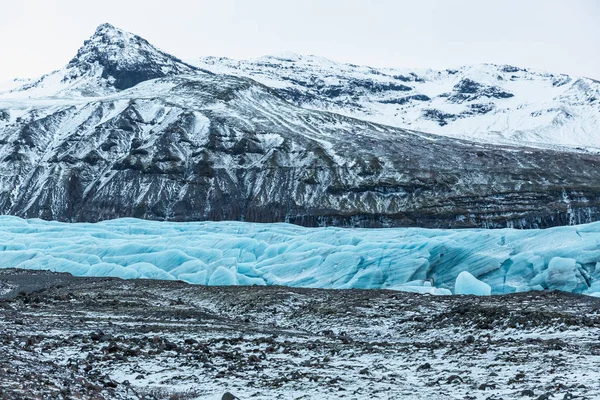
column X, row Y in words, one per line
column 126, row 130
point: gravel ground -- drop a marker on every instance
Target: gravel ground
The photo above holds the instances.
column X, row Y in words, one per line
column 101, row 338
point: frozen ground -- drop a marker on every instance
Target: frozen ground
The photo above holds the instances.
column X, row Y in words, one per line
column 237, row 253
column 66, row 337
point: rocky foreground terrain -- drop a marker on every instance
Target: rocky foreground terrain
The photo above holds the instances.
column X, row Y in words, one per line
column 101, row 338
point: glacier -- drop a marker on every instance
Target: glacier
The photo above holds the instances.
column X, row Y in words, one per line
column 238, row 253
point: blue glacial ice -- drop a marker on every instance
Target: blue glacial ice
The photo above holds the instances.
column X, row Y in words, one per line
column 468, row 284
column 237, row 253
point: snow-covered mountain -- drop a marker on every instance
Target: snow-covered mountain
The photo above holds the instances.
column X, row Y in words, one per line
column 111, row 60
column 487, row 103
column 127, row 130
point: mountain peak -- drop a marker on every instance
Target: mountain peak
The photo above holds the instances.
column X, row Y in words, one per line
column 106, row 27
column 111, row 44
column 107, row 33
column 124, row 59
column 109, row 61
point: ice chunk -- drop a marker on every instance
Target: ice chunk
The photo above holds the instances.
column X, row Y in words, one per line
column 424, row 287
column 468, row 284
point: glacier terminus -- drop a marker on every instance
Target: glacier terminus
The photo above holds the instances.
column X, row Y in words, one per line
column 238, row 253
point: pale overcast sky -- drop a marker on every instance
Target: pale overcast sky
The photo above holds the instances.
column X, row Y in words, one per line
column 38, row 36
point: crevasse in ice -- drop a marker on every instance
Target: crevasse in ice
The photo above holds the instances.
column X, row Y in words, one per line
column 237, row 253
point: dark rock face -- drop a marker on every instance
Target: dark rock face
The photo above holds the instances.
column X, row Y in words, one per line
column 468, row 90
column 439, row 116
column 511, row 68
column 126, row 78
column 223, row 148
column 479, row 108
column 468, row 86
column 411, row 77
column 404, row 100
column 342, row 94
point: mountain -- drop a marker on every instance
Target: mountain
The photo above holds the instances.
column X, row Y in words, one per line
column 185, row 144
column 110, row 61
column 488, row 103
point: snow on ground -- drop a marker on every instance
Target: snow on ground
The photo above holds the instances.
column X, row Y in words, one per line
column 125, row 339
column 237, row 253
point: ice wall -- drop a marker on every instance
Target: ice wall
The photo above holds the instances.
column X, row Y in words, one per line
column 236, row 253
